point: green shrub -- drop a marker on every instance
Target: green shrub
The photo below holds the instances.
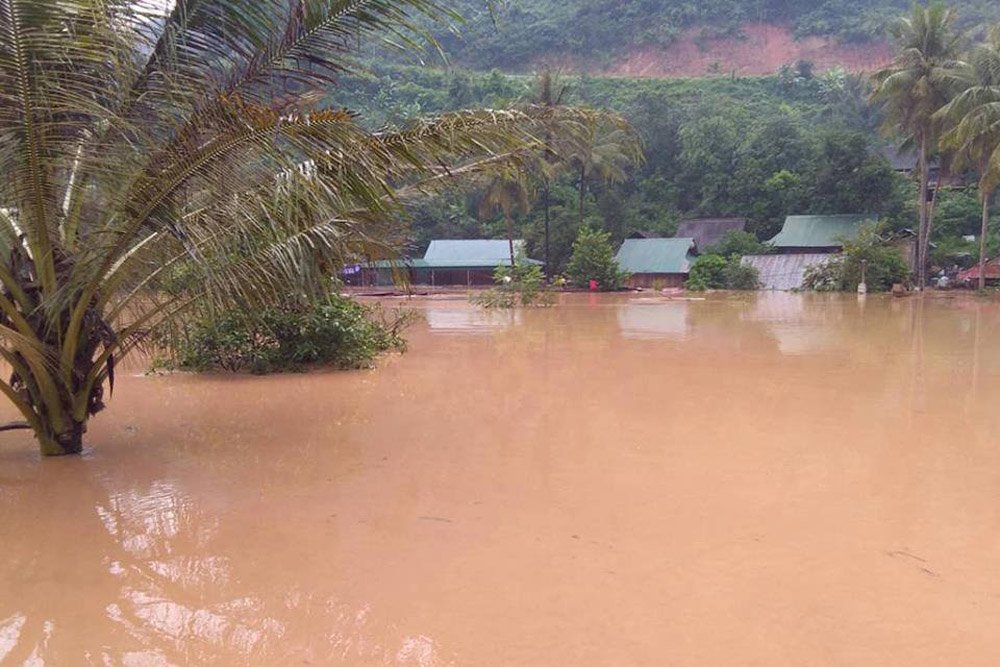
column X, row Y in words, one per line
column 738, row 242
column 707, row 272
column 717, row 272
column 522, row 284
column 883, row 265
column 825, row 277
column 738, row 276
column 338, row 332
column 594, row 259
column 885, row 268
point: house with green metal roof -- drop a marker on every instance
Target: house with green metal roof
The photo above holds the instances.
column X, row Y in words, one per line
column 817, row 233
column 657, row 262
column 448, row 262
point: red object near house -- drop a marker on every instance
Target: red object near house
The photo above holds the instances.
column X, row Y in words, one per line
column 971, row 275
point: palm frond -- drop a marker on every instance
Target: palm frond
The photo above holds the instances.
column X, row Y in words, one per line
column 160, row 162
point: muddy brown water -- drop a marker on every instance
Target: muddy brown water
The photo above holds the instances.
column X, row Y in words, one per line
column 763, row 480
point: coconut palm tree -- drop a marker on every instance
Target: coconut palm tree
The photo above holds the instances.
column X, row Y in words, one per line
column 974, row 133
column 156, row 162
column 550, row 91
column 510, row 193
column 918, row 83
column 603, row 149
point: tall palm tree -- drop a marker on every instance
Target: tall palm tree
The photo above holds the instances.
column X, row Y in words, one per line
column 510, row 193
column 603, row 149
column 974, row 133
column 918, row 83
column 550, row 92
column 159, row 162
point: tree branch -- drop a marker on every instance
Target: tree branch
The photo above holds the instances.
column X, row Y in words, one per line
column 15, row 426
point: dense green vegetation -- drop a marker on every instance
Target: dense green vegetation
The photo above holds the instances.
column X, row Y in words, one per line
column 869, row 258
column 593, row 259
column 712, row 271
column 336, row 331
column 797, row 142
column 941, row 94
column 756, row 147
column 519, row 33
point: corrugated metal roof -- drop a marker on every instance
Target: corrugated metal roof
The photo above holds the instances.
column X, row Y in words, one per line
column 785, row 272
column 398, row 264
column 818, row 231
column 708, row 232
column 447, row 264
column 992, row 271
column 464, row 251
column 656, row 255
column 475, row 263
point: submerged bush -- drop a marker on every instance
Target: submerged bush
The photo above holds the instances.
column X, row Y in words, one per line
column 825, row 277
column 885, row 267
column 707, row 272
column 338, row 332
column 739, row 276
column 870, row 254
column 717, row 272
column 520, row 285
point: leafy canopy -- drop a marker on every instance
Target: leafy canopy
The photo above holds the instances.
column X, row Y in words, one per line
column 594, row 259
column 138, row 147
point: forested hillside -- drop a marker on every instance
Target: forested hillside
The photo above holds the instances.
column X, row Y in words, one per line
column 756, row 147
column 519, row 33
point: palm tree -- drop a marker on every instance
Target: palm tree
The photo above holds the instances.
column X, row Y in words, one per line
column 549, row 93
column 918, row 83
column 604, row 148
column 510, row 193
column 974, row 134
column 156, row 163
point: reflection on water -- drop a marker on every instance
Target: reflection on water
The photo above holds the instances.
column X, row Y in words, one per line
column 800, row 324
column 462, row 319
column 768, row 479
column 653, row 319
column 10, row 634
column 171, row 597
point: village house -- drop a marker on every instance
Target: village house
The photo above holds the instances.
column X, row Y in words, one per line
column 657, row 263
column 905, row 162
column 817, row 233
column 447, row 263
column 804, row 241
column 970, row 277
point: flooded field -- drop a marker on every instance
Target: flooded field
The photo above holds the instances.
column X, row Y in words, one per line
column 765, row 480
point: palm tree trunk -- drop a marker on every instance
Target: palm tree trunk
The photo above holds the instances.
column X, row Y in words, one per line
column 62, row 444
column 923, row 237
column 983, row 234
column 548, row 219
column 583, row 190
column 931, row 210
column 510, row 238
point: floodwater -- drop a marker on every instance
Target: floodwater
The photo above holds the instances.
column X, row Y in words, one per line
column 757, row 480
